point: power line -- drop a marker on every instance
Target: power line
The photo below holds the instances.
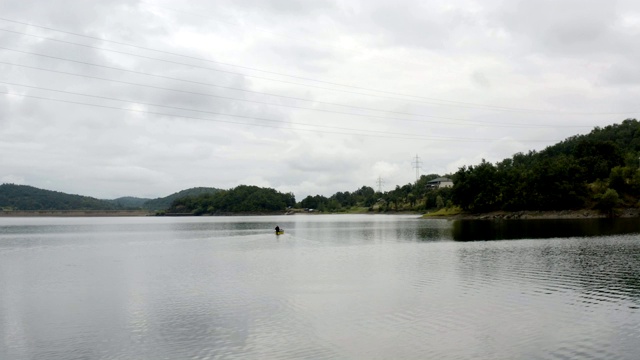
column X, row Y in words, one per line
column 342, row 48
column 216, row 62
column 210, row 95
column 180, row 55
column 260, row 102
column 183, row 55
column 464, row 122
column 384, row 135
column 426, row 100
column 222, row 114
column 213, row 69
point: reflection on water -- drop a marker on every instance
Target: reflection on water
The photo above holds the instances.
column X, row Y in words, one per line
column 345, row 287
column 472, row 230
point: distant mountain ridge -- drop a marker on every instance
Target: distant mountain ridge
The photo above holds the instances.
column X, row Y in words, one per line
column 165, row 202
column 128, row 202
column 25, row 197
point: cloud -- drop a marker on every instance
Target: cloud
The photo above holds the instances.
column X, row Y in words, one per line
column 622, row 73
column 12, row 179
column 308, row 97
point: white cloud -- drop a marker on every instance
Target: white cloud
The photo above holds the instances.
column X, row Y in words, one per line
column 361, row 101
column 13, row 179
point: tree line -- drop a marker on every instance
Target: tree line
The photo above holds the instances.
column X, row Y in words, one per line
column 253, row 199
column 418, row 196
column 24, row 197
column 597, row 170
column 29, row 198
column 241, row 199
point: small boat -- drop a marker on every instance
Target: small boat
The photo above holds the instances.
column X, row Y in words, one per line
column 280, row 232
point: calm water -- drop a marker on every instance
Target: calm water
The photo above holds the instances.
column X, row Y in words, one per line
column 332, row 287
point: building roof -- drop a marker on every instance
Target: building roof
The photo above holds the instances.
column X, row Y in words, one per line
column 439, row 180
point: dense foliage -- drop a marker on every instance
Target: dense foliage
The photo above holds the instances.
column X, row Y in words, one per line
column 241, row 199
column 410, row 197
column 23, row 197
column 129, row 202
column 575, row 173
column 365, row 196
column 165, row 202
column 599, row 170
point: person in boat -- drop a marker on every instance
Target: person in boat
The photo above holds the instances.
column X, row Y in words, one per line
column 277, row 229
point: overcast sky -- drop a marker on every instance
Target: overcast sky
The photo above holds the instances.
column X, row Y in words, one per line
column 145, row 98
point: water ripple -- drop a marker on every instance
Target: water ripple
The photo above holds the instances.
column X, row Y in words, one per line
column 195, row 293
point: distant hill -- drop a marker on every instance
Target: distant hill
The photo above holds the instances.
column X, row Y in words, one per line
column 241, row 199
column 129, row 202
column 24, row 197
column 165, row 202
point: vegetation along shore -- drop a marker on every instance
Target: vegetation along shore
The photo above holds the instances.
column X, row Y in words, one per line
column 584, row 176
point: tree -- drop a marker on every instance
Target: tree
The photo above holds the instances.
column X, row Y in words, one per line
column 608, row 201
column 240, row 199
column 476, row 188
column 439, row 202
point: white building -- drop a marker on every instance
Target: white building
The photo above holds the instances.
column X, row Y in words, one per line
column 440, row 183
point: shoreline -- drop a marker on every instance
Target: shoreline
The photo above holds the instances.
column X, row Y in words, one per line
column 525, row 215
column 494, row 215
column 75, row 213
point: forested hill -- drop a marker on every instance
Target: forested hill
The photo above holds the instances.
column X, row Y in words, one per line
column 597, row 170
column 165, row 202
column 241, row 199
column 23, row 197
column 129, row 202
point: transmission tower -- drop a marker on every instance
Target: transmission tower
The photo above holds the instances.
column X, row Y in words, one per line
column 379, row 182
column 416, row 165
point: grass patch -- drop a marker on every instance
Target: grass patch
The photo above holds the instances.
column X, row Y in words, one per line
column 454, row 210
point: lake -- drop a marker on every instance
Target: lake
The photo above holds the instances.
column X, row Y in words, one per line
column 331, row 287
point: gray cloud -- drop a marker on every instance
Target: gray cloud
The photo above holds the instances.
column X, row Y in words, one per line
column 562, row 57
column 567, row 28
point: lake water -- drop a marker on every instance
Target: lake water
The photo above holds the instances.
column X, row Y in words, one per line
column 331, row 287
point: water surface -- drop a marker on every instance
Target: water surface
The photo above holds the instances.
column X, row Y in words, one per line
column 331, row 287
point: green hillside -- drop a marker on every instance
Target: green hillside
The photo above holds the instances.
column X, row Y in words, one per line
column 599, row 170
column 596, row 170
column 165, row 202
column 241, row 199
column 23, row 197
column 129, row 202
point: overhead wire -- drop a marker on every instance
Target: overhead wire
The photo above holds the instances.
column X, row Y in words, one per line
column 289, row 37
column 373, row 133
column 254, row 92
column 204, row 111
column 214, row 69
column 214, row 62
column 195, row 92
column 191, row 65
column 432, row 101
column 456, row 121
column 234, row 88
